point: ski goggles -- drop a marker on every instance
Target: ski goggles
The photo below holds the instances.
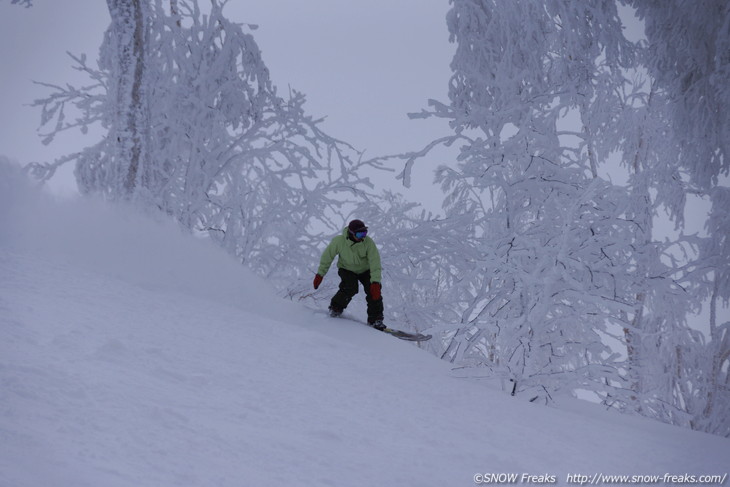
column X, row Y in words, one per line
column 360, row 234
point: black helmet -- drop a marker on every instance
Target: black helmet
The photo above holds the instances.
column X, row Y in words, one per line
column 357, row 226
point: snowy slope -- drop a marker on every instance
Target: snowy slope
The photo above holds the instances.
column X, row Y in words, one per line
column 131, row 355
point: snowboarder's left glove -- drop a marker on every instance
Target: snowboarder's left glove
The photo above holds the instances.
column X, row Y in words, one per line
column 317, row 281
column 375, row 291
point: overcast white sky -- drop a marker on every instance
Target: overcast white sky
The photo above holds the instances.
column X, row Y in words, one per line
column 363, row 65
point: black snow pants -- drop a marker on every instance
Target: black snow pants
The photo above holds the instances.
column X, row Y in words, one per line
column 349, row 288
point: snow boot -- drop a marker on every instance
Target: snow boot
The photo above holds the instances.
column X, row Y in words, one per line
column 334, row 312
column 377, row 324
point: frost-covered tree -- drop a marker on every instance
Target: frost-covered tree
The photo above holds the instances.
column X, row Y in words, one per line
column 128, row 122
column 688, row 56
column 711, row 415
column 562, row 281
column 549, row 245
column 198, row 130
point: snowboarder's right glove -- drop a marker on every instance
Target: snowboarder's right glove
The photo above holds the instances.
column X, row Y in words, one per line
column 317, row 281
column 375, row 291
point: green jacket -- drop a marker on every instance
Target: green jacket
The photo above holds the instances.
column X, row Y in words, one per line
column 357, row 257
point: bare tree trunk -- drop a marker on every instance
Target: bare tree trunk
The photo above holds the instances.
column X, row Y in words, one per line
column 720, row 346
column 633, row 334
column 175, row 11
column 128, row 28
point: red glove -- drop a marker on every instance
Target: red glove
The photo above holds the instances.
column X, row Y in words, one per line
column 317, row 281
column 375, row 291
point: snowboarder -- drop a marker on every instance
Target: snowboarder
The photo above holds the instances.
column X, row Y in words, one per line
column 359, row 261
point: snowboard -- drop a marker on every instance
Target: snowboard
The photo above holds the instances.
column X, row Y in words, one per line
column 403, row 335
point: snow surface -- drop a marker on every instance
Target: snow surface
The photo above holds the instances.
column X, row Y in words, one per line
column 133, row 355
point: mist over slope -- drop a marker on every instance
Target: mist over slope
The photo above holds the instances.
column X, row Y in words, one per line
column 134, row 355
column 116, row 241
